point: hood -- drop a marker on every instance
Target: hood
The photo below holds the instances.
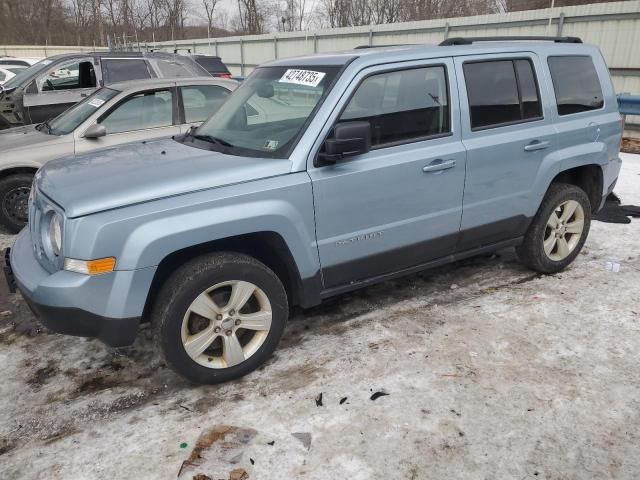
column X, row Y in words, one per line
column 142, row 172
column 23, row 137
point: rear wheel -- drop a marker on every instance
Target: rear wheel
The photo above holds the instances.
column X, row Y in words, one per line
column 219, row 317
column 558, row 231
column 14, row 200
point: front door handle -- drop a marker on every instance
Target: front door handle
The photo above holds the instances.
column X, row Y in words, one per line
column 439, row 165
column 536, row 145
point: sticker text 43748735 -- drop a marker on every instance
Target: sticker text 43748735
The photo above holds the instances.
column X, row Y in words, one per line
column 302, row 77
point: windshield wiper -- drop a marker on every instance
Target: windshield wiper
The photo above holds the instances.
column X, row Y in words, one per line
column 212, row 139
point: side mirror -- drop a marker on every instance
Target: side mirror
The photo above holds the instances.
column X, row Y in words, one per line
column 349, row 138
column 95, row 131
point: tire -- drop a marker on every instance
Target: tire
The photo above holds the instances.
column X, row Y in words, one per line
column 543, row 249
column 14, row 197
column 218, row 277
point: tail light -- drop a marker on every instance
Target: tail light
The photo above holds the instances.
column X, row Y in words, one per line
column 224, row 75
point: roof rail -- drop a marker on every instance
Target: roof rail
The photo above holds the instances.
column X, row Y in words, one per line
column 470, row 40
column 360, row 47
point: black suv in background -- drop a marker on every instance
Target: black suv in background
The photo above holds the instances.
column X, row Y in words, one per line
column 52, row 85
column 213, row 65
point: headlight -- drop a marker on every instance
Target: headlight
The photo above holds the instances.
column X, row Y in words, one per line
column 55, row 234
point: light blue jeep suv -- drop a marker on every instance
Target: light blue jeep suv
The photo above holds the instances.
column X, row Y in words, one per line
column 320, row 175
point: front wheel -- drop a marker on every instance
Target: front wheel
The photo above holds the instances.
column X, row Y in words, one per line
column 219, row 317
column 558, row 231
column 14, row 200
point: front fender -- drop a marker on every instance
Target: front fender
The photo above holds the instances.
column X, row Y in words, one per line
column 141, row 236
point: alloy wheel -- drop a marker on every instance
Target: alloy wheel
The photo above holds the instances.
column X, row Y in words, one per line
column 564, row 230
column 226, row 324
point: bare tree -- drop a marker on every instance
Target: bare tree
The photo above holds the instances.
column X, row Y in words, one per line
column 209, row 8
column 250, row 17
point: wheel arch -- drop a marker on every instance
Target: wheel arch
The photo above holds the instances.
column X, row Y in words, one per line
column 589, row 178
column 267, row 247
column 7, row 172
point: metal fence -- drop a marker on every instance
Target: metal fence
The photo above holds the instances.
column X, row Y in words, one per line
column 614, row 27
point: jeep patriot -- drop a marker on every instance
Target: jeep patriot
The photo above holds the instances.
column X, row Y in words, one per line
column 320, row 175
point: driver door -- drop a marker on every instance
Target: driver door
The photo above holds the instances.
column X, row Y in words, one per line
column 142, row 116
column 399, row 205
column 63, row 85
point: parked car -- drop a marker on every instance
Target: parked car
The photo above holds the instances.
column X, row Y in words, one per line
column 121, row 113
column 49, row 87
column 392, row 160
column 7, row 72
column 212, row 64
column 24, row 62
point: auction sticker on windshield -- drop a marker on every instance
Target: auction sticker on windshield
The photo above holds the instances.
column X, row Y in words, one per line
column 303, row 77
column 96, row 102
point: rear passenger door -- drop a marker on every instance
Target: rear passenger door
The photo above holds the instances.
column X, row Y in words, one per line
column 508, row 132
column 400, row 204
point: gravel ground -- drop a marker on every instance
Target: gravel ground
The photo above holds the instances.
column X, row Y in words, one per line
column 491, row 372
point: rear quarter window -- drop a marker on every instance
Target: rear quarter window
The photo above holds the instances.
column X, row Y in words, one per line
column 576, row 84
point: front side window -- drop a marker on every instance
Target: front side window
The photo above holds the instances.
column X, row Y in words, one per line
column 202, row 101
column 141, row 111
column 69, row 76
column 576, row 84
column 267, row 114
column 116, row 70
column 402, row 105
column 68, row 121
column 501, row 92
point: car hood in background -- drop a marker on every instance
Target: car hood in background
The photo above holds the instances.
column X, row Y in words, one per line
column 141, row 172
column 26, row 137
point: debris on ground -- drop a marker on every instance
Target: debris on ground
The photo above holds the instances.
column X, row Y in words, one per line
column 319, row 400
column 304, row 437
column 229, row 439
column 378, row 394
column 614, row 212
column 201, row 476
column 343, row 399
column 613, row 267
column 238, row 474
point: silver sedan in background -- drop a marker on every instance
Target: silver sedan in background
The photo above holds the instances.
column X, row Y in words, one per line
column 120, row 113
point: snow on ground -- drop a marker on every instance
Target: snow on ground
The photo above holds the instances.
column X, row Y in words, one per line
column 492, row 372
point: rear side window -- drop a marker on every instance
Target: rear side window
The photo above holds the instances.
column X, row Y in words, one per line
column 402, row 105
column 202, row 101
column 501, row 92
column 576, row 84
column 121, row 70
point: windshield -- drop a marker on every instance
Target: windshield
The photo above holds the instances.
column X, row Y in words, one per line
column 27, row 73
column 68, row 121
column 267, row 114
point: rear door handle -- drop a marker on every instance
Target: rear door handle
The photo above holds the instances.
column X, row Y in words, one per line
column 439, row 165
column 536, row 145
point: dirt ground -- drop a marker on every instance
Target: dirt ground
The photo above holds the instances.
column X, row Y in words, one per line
column 490, row 371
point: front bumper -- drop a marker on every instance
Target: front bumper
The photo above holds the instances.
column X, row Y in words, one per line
column 108, row 307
